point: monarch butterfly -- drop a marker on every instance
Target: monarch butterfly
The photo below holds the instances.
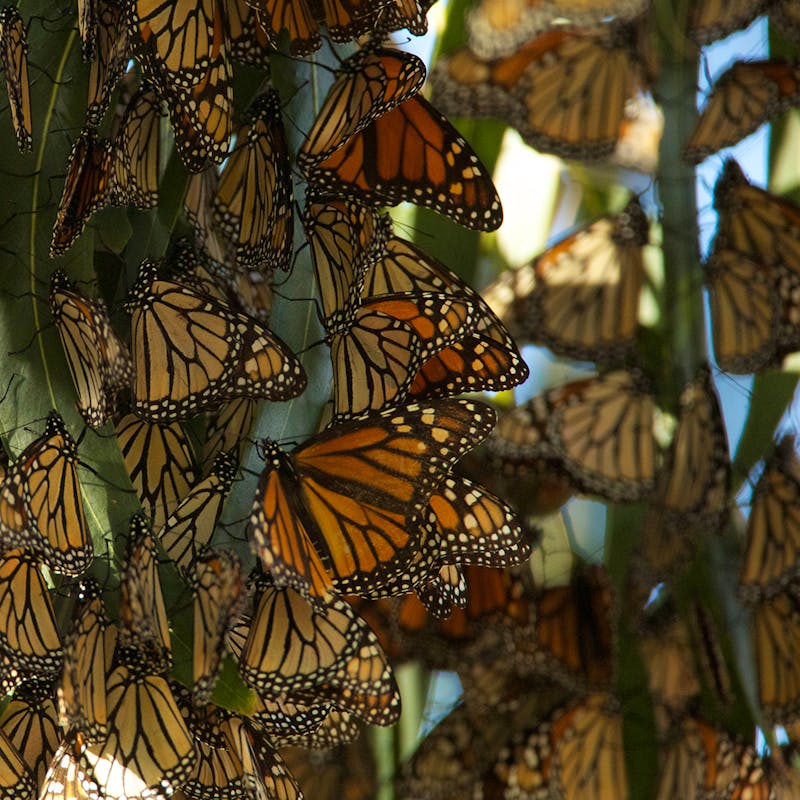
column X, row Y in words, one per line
column 412, row 153
column 468, row 525
column 447, row 589
column 217, row 770
column 588, row 756
column 666, row 647
column 376, row 355
column 113, row 55
column 41, row 505
column 344, row 236
column 190, row 527
column 450, row 759
column 574, row 631
column 344, row 19
column 98, row 359
column 565, row 91
column 776, row 644
column 716, row 19
column 227, row 429
column 28, row 632
column 750, row 313
column 784, row 15
column 247, row 39
column 533, row 480
column 325, row 655
column 345, row 772
column 230, row 354
column 200, row 190
column 599, row 430
column 744, row 96
column 263, row 772
column 134, row 177
column 14, row 58
column 253, row 202
column 218, row 595
column 87, row 28
column 701, row 758
column 253, row 293
column 755, row 223
column 368, row 84
column 85, row 189
column 30, row 722
column 183, row 51
column 336, row 489
column 88, row 652
column 499, row 27
column 142, row 613
column 283, row 720
column 149, row 749
column 485, row 359
column 495, row 599
column 770, row 559
column 160, row 464
column 585, row 298
column 692, row 490
column 16, row 779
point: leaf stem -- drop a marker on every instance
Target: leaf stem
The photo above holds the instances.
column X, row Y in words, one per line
column 57, row 81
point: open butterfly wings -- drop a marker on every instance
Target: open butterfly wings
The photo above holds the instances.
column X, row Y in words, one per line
column 344, row 19
column 341, row 511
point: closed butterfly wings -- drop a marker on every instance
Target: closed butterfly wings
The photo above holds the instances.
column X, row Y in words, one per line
column 585, row 300
column 192, row 352
column 14, row 58
column 29, row 636
column 86, row 189
column 97, row 358
column 41, row 503
column 770, row 558
column 368, row 84
column 600, row 430
column 753, row 274
column 88, row 653
column 413, row 153
column 326, row 654
column 499, row 27
column 750, row 313
column 693, row 485
column 564, row 91
column 484, row 358
column 744, row 97
column 253, row 201
column 135, row 169
column 183, row 50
